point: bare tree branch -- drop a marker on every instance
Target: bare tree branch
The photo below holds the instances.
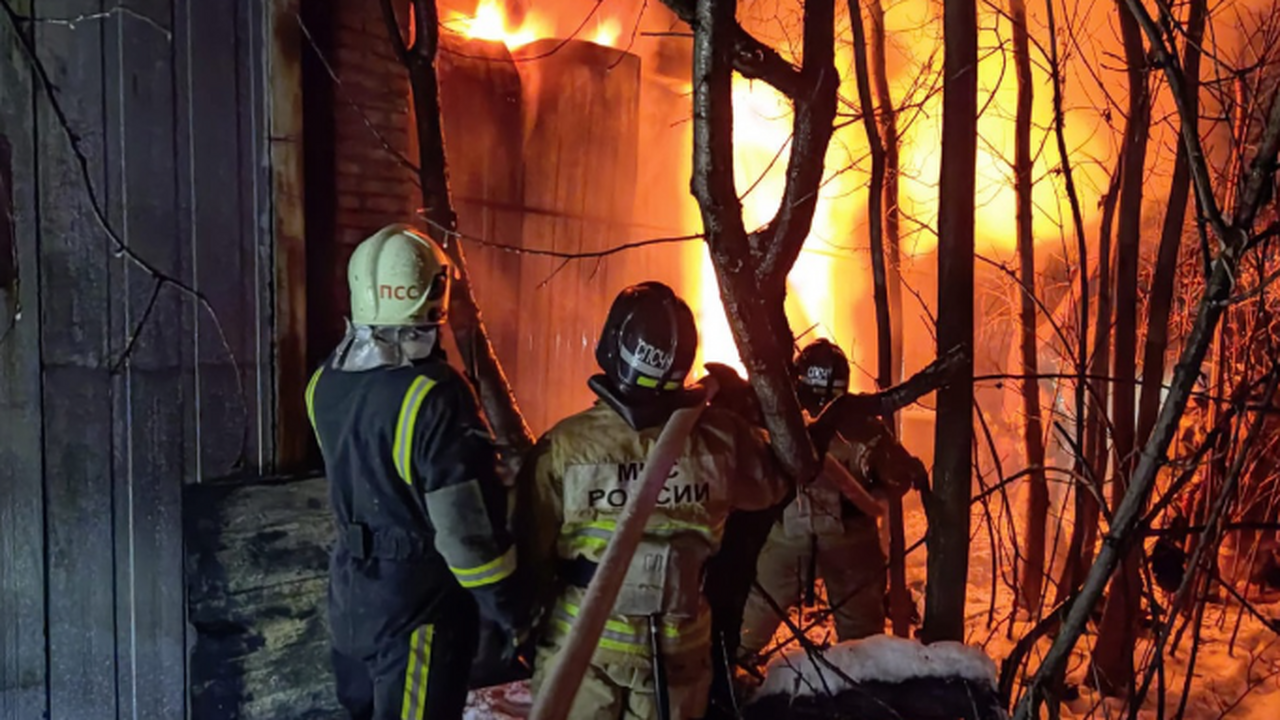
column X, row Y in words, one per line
column 1128, row 514
column 121, row 248
column 750, row 57
column 755, row 308
column 385, row 144
column 465, row 321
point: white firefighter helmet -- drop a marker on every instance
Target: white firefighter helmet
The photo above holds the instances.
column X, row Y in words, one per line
column 398, row 276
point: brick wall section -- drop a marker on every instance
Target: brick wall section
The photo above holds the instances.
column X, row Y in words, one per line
column 354, row 184
column 373, row 187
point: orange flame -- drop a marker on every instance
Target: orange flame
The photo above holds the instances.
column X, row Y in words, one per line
column 490, row 22
column 608, row 30
column 761, row 135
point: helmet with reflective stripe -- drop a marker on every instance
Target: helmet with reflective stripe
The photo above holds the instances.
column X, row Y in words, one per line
column 822, row 374
column 649, row 340
column 398, row 276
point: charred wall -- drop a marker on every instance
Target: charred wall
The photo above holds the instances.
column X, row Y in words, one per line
column 141, row 260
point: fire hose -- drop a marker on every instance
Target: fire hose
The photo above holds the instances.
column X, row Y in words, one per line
column 556, row 696
column 851, row 488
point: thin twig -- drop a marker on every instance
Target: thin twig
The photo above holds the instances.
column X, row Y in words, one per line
column 562, row 254
column 105, row 14
column 399, row 157
column 622, row 54
column 138, row 326
column 122, row 249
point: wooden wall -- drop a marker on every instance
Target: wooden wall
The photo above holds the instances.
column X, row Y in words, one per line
column 115, row 391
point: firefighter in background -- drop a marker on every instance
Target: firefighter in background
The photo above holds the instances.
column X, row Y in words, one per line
column 580, row 478
column 822, row 533
column 423, row 544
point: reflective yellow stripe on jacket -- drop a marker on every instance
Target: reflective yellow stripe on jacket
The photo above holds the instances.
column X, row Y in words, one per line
column 489, row 573
column 632, row 636
column 409, row 407
column 311, row 403
column 590, row 538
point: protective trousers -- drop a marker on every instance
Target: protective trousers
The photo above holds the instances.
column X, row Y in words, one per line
column 392, row 661
column 625, row 692
column 851, row 566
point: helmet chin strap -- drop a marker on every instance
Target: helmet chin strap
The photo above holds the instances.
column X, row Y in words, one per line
column 368, row 347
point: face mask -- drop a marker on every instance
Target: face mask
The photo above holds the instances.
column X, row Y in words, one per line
column 366, row 347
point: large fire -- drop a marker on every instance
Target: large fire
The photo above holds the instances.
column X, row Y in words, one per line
column 761, row 135
column 829, row 292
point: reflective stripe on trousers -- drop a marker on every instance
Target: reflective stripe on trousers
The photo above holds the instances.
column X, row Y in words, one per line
column 416, row 674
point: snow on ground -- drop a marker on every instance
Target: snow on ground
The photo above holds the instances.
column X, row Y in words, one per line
column 880, row 658
column 504, row 702
column 1231, row 681
column 1236, row 675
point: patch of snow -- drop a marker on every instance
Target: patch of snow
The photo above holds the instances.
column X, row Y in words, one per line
column 501, row 702
column 881, row 658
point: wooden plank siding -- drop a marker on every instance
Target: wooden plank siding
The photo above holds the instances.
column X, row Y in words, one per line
column 22, row 612
column 114, row 396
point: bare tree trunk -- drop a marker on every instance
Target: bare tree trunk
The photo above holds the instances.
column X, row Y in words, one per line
column 888, row 115
column 1113, row 652
column 496, row 397
column 1161, row 297
column 1033, row 430
column 1091, row 466
column 899, row 596
column 948, row 503
column 752, row 269
column 1097, row 452
column 887, row 360
column 1234, row 240
column 1072, row 568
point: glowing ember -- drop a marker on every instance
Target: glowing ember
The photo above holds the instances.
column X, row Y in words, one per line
column 607, row 32
column 491, row 23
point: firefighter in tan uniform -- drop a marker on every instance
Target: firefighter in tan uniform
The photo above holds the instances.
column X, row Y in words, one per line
column 821, row 533
column 580, row 478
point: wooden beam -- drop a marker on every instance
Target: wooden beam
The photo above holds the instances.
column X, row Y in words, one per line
column 293, row 432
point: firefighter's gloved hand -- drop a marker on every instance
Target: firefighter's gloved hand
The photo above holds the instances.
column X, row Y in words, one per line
column 508, row 465
column 520, row 649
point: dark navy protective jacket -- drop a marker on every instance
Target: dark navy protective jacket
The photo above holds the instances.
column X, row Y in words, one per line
column 420, row 511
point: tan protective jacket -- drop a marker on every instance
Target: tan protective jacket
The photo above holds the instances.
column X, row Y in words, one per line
column 583, row 473
column 866, row 447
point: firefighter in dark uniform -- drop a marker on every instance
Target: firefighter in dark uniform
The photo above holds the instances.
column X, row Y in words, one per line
column 423, row 546
column 579, row 480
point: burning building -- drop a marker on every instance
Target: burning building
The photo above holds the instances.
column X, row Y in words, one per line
column 181, row 186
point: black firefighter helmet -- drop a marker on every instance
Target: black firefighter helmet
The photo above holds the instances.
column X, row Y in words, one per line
column 822, row 375
column 646, row 350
